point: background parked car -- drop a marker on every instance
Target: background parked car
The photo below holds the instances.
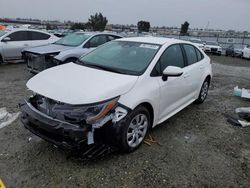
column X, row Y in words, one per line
column 12, row 42
column 246, row 52
column 197, row 42
column 67, row 49
column 234, row 50
column 213, row 47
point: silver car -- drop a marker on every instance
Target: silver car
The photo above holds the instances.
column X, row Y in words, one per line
column 68, row 49
column 12, row 42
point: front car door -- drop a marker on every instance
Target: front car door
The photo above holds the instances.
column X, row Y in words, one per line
column 173, row 91
column 12, row 48
column 96, row 41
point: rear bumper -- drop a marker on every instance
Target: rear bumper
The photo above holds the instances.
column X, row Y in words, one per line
column 60, row 133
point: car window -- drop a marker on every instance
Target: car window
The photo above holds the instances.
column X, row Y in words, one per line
column 199, row 54
column 97, row 41
column 74, row 39
column 19, row 36
column 34, row 35
column 171, row 57
column 123, row 56
column 190, row 53
column 112, row 37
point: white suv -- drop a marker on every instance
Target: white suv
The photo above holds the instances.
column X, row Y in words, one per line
column 12, row 42
column 124, row 87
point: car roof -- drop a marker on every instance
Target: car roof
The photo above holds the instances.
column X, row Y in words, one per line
column 154, row 40
column 24, row 29
column 96, row 33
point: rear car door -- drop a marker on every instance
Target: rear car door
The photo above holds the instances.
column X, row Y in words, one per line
column 195, row 69
column 12, row 48
column 175, row 90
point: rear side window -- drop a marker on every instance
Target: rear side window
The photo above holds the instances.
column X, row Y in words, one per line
column 199, row 55
column 19, row 36
column 171, row 57
column 33, row 35
column 190, row 53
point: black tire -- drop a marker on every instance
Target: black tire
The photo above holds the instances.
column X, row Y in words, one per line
column 70, row 60
column 123, row 127
column 204, row 88
column 1, row 59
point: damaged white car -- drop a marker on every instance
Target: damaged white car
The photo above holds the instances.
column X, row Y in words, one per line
column 123, row 88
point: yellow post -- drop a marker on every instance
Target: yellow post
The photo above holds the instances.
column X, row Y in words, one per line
column 1, row 184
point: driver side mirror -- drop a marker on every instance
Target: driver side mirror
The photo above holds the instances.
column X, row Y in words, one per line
column 171, row 71
column 6, row 39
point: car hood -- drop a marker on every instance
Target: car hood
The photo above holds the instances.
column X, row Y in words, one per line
column 77, row 84
column 46, row 49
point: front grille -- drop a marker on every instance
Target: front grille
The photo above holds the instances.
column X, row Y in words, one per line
column 213, row 49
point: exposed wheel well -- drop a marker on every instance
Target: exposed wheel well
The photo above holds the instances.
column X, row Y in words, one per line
column 150, row 109
column 1, row 59
column 70, row 59
column 208, row 78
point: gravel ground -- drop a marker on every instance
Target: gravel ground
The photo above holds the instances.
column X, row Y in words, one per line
column 199, row 148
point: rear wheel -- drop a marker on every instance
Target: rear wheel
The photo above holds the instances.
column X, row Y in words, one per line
column 1, row 59
column 203, row 92
column 133, row 129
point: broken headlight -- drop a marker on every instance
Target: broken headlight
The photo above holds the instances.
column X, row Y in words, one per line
column 90, row 114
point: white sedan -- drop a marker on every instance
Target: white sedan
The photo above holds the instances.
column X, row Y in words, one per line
column 124, row 87
column 12, row 42
column 213, row 47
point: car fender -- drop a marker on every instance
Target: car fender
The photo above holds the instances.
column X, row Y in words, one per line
column 143, row 92
column 71, row 53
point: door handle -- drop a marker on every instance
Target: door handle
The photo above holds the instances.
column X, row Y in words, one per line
column 25, row 45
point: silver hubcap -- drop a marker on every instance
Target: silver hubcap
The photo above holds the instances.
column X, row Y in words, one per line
column 137, row 130
column 204, row 90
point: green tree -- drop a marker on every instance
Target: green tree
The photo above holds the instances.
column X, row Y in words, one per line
column 76, row 26
column 143, row 26
column 97, row 22
column 184, row 28
column 48, row 27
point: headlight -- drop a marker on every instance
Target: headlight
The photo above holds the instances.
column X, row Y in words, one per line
column 89, row 113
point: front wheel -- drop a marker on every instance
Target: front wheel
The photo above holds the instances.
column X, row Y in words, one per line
column 203, row 92
column 133, row 129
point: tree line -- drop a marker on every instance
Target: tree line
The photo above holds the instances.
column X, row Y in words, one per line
column 98, row 22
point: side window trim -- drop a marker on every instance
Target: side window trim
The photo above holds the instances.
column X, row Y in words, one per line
column 152, row 74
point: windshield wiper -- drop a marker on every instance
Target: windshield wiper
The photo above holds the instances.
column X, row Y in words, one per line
column 101, row 67
column 110, row 69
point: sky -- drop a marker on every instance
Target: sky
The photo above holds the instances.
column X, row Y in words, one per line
column 220, row 14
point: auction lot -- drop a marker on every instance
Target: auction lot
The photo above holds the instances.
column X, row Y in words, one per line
column 198, row 147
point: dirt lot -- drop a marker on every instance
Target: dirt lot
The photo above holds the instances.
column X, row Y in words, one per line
column 200, row 149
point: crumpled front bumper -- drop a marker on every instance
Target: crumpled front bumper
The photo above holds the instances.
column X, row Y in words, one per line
column 52, row 130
